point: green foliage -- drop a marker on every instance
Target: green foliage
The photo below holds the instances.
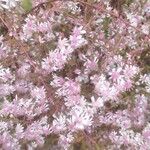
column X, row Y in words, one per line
column 26, row 5
column 106, row 23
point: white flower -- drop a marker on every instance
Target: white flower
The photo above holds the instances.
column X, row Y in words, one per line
column 134, row 20
column 5, row 74
column 80, row 118
column 97, row 103
column 3, row 126
column 59, row 123
column 72, row 7
column 8, row 4
column 145, row 29
column 38, row 93
column 19, row 131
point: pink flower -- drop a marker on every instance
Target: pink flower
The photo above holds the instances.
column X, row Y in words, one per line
column 79, row 119
column 24, row 70
column 6, row 89
column 97, row 103
column 130, row 71
column 76, row 38
column 38, row 93
column 115, row 74
column 59, row 123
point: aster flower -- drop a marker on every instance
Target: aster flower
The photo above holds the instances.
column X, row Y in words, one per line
column 38, row 93
column 76, row 38
column 59, row 123
column 79, row 119
column 97, row 103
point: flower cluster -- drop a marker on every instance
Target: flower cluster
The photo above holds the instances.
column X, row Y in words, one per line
column 74, row 74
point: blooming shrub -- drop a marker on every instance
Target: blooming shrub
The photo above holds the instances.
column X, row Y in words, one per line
column 74, row 74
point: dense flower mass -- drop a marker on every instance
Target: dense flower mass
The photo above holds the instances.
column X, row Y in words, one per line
column 74, row 74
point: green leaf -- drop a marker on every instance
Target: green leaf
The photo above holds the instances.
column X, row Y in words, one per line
column 26, row 5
